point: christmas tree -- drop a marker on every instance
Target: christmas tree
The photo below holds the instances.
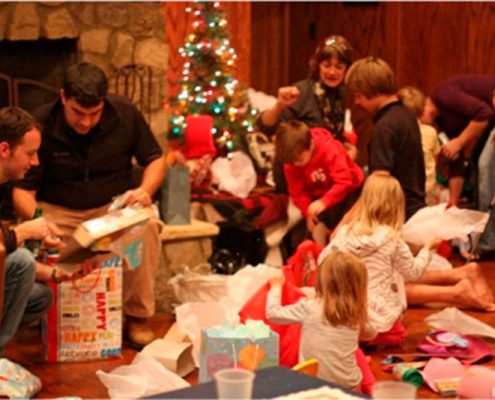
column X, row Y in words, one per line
column 208, row 85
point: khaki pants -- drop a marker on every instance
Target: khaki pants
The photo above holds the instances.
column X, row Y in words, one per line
column 139, row 284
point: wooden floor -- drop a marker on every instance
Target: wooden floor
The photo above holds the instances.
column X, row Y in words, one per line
column 79, row 379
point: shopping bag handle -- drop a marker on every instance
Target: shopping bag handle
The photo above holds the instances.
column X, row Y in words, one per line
column 96, row 281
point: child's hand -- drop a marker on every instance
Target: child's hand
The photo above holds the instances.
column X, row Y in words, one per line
column 315, row 208
column 433, row 243
column 276, row 279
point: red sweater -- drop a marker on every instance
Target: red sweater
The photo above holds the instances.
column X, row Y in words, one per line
column 329, row 176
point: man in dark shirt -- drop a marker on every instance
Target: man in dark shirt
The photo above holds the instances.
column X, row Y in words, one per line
column 395, row 146
column 89, row 141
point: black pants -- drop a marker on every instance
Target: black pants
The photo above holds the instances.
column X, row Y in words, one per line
column 333, row 215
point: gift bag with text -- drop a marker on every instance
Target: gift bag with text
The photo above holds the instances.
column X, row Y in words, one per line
column 85, row 320
column 234, row 352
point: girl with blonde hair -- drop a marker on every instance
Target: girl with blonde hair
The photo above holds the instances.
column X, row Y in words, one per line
column 373, row 233
column 331, row 321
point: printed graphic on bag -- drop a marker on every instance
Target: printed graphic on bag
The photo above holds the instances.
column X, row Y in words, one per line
column 85, row 321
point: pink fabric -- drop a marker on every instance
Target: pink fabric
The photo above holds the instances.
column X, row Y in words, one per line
column 394, row 337
column 368, row 380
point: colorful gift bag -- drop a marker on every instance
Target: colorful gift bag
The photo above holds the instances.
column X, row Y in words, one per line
column 85, row 320
column 217, row 353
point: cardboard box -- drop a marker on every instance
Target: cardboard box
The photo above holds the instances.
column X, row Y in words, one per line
column 103, row 235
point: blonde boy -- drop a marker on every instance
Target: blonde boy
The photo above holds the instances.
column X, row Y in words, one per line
column 414, row 99
column 395, row 146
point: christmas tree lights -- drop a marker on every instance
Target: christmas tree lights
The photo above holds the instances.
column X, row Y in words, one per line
column 208, row 85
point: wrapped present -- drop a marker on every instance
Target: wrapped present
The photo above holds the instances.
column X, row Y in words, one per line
column 251, row 346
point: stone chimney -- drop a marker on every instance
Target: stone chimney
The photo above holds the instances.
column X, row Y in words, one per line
column 108, row 34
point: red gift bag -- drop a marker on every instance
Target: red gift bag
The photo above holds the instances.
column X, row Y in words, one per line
column 304, row 263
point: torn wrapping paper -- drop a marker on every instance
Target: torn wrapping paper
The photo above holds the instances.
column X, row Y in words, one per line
column 193, row 287
column 438, row 373
column 454, row 320
column 437, row 221
column 235, row 174
column 145, row 376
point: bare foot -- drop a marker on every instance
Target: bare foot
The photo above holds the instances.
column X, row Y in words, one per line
column 466, row 296
column 478, row 281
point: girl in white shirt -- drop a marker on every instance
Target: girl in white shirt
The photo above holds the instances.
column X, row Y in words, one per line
column 373, row 232
column 332, row 321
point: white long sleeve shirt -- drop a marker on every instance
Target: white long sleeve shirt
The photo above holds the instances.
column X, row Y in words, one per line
column 333, row 346
column 389, row 262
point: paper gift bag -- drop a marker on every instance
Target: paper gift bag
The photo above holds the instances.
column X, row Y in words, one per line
column 176, row 196
column 175, row 356
column 228, row 352
column 85, row 320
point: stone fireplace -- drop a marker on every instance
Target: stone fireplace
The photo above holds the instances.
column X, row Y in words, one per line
column 111, row 35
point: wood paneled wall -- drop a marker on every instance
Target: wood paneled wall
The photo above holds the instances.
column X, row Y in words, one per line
column 424, row 42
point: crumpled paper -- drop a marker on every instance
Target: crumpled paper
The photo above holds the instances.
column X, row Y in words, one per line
column 145, row 376
column 437, row 221
column 453, row 320
column 251, row 329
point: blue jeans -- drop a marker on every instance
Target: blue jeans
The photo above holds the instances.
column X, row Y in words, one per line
column 486, row 243
column 24, row 300
column 486, row 174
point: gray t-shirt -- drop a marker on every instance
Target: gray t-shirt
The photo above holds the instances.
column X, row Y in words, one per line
column 333, row 346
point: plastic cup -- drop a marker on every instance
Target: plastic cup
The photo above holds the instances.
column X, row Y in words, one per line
column 394, row 390
column 234, row 383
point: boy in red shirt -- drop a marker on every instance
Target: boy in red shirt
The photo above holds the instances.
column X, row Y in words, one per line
column 322, row 180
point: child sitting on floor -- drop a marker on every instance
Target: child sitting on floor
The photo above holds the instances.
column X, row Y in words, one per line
column 373, row 233
column 322, row 179
column 332, row 321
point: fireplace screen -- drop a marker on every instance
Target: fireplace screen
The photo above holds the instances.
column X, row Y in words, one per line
column 31, row 72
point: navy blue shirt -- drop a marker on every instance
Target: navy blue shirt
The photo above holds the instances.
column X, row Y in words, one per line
column 395, row 147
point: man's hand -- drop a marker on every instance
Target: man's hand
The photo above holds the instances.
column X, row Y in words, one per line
column 87, row 266
column 452, row 148
column 36, row 229
column 53, row 241
column 287, row 96
column 137, row 196
column 46, row 273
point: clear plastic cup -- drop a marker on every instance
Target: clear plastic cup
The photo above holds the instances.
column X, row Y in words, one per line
column 394, row 390
column 234, row 383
